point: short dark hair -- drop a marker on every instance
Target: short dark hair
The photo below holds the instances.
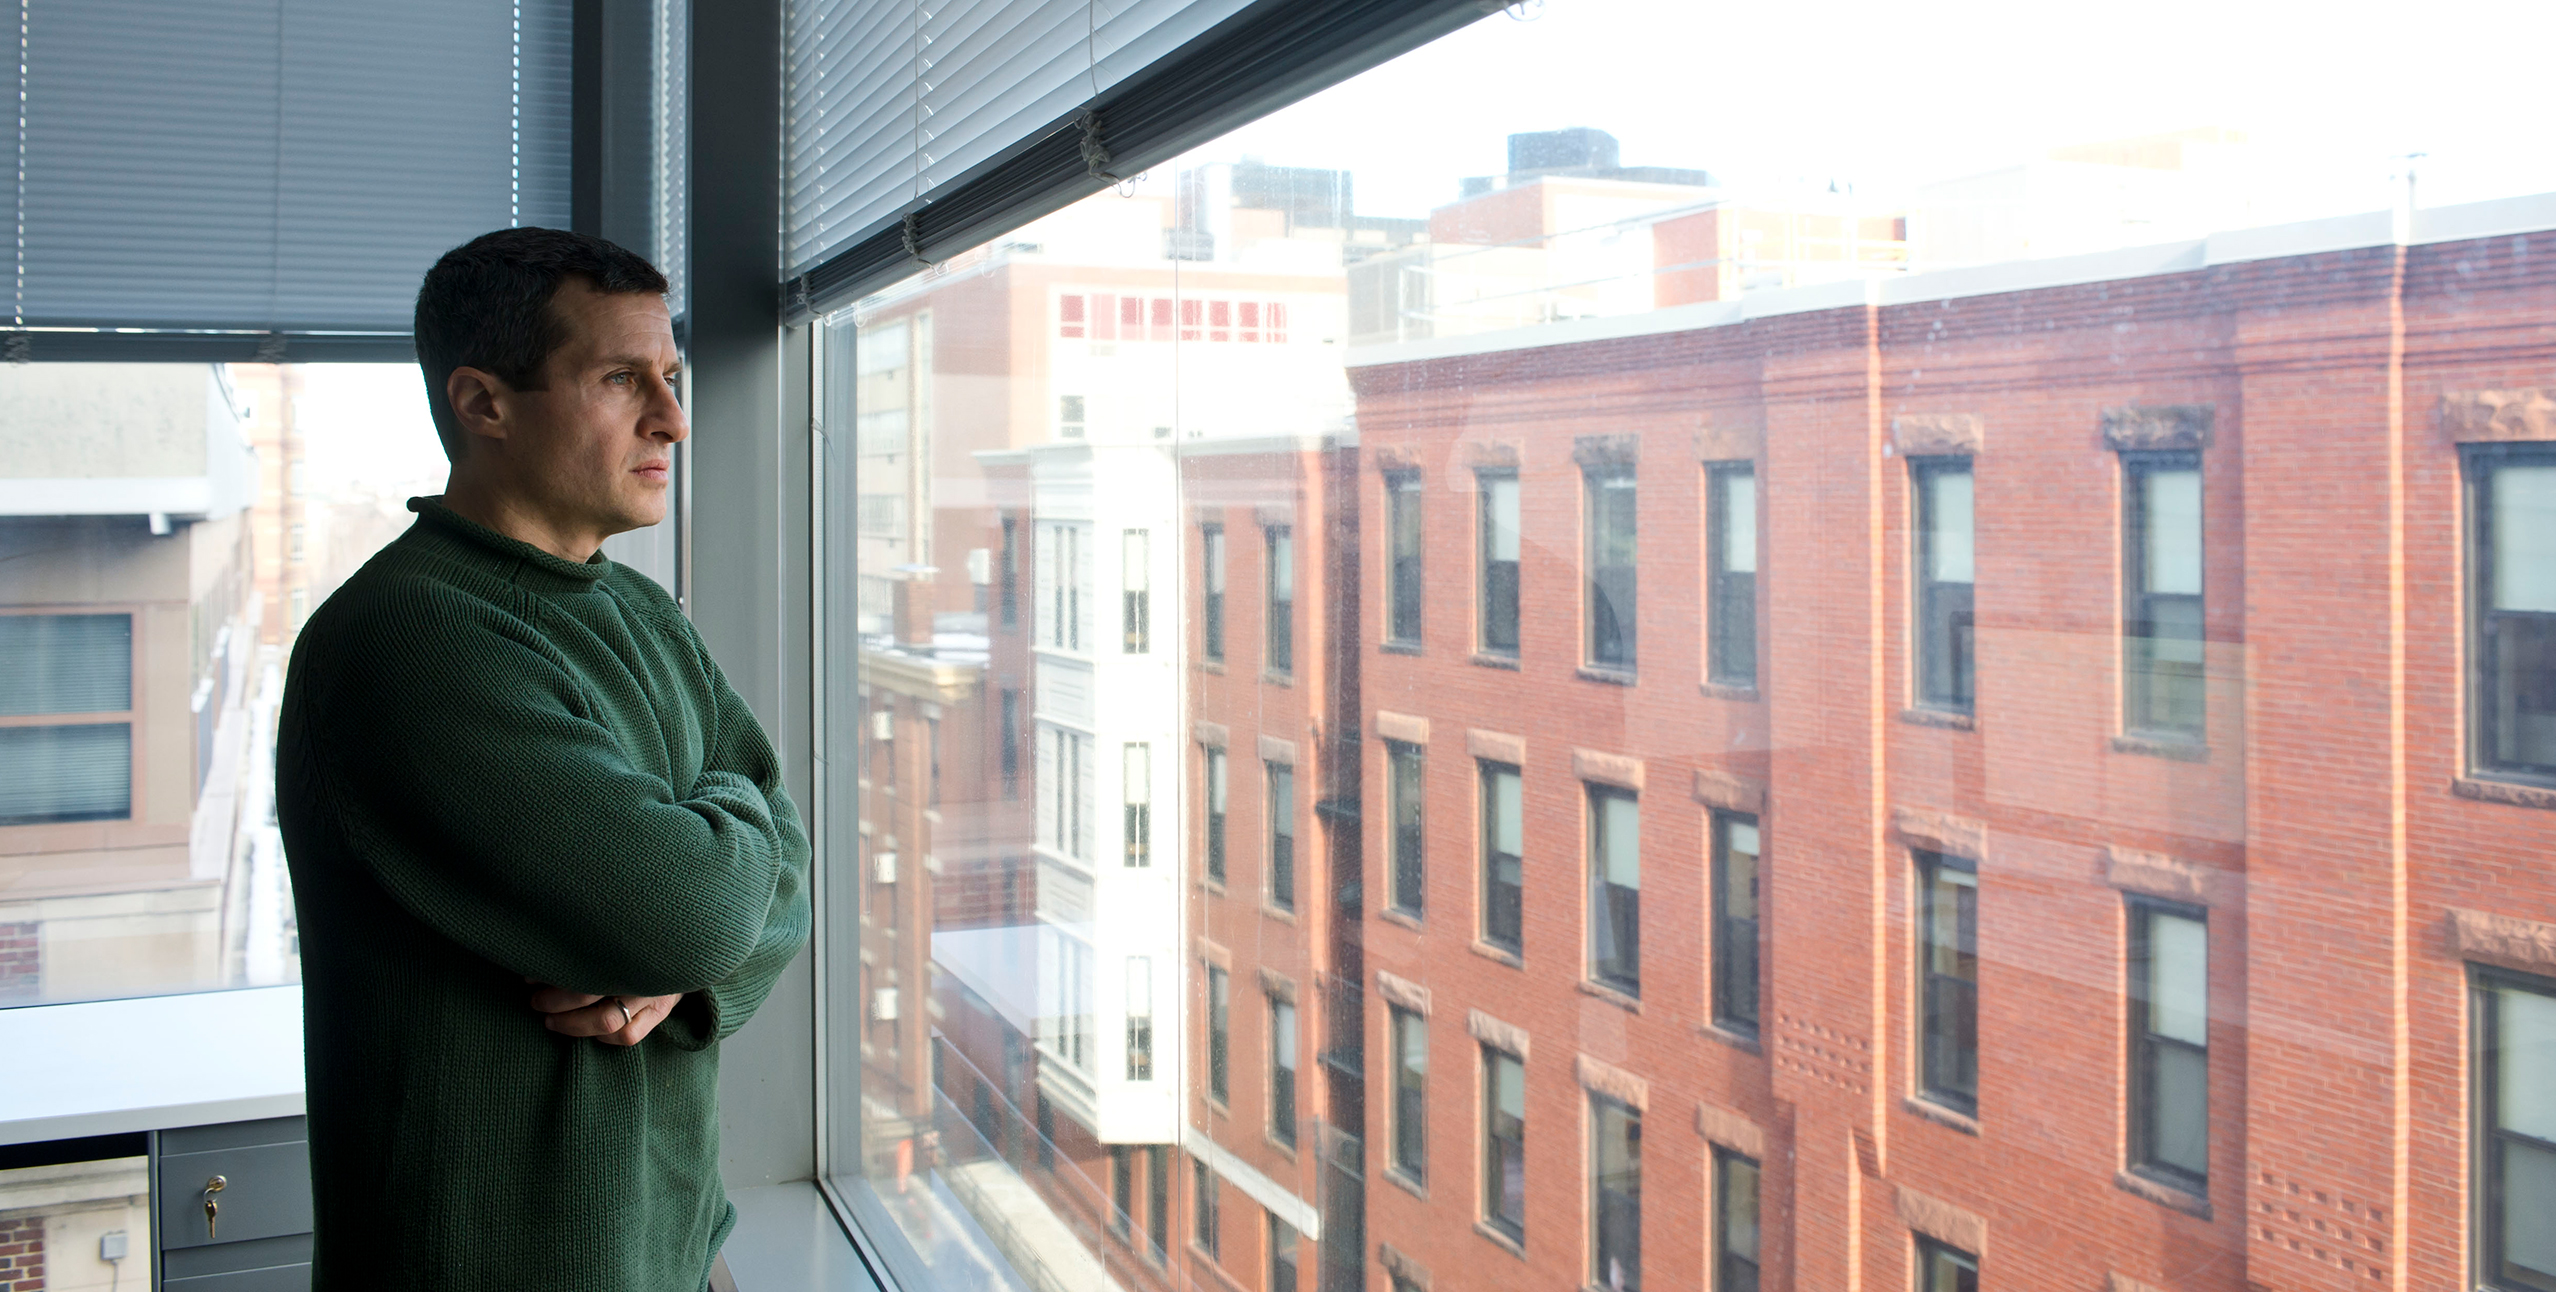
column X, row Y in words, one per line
column 486, row 305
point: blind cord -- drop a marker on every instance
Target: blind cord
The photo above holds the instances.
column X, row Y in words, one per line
column 515, row 127
column 18, row 307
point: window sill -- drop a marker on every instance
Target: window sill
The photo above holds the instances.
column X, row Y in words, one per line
column 1725, row 691
column 1214, row 666
column 1398, row 648
column 1929, row 1110
column 2172, row 1197
column 2508, row 793
column 1403, row 918
column 1489, row 952
column 1276, row 912
column 787, row 1237
column 1488, row 660
column 1214, row 1266
column 1732, row 1037
column 1615, row 996
column 1501, row 1238
column 1272, row 677
column 1214, row 887
column 1270, row 1138
column 1408, row 1185
column 2182, row 749
column 1609, row 676
column 1218, row 1106
column 1950, row 720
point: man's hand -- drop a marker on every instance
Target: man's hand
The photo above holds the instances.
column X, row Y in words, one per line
column 574, row 1013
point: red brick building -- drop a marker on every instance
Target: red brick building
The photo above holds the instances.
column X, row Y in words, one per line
column 2103, row 701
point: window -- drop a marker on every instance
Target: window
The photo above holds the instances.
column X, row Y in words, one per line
column 932, row 751
column 1504, row 1141
column 1065, row 798
column 1730, row 611
column 1205, row 1222
column 1615, row 1187
column 1282, row 835
column 66, row 720
column 1219, row 1034
column 1069, row 417
column 1010, row 742
column 1403, row 782
column 1135, row 613
column 1948, row 980
column 1281, row 609
column 1615, row 889
column 1410, row 1094
column 1065, row 575
column 1211, row 616
column 1942, row 1268
column 1282, row 1255
column 2162, row 626
column 2170, row 1044
column 1503, row 842
column 1945, row 640
column 1402, row 527
column 2516, row 1119
column 1158, row 1199
column 1499, row 574
column 1140, row 1018
column 1010, row 574
column 1734, row 1222
column 1282, row 1071
column 1045, row 1116
column 1215, row 815
column 1122, row 1188
column 1735, row 864
column 1612, row 609
column 1137, row 824
column 2512, row 553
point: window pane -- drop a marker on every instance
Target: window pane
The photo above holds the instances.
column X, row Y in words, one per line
column 1739, row 521
column 2524, row 510
column 2179, row 962
column 2172, row 511
column 75, row 773
column 66, row 664
column 2529, row 1197
column 2526, row 1047
column 1948, row 534
column 2183, row 1109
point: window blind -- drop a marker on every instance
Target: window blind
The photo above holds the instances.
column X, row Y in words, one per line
column 66, row 664
column 274, row 165
column 889, row 100
column 75, row 773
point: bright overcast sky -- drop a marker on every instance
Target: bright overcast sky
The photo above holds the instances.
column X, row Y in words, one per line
column 1887, row 94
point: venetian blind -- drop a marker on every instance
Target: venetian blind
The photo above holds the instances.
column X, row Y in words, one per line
column 889, row 100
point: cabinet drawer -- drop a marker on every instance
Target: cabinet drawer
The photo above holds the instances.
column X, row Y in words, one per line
column 274, row 1278
column 266, row 1191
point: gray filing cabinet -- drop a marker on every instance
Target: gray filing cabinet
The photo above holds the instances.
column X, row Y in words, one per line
column 260, row 1240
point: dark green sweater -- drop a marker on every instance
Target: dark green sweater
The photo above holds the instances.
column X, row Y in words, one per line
column 496, row 764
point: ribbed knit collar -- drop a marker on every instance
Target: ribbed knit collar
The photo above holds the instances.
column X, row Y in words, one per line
column 533, row 567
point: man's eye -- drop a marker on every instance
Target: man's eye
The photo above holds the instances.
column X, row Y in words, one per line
column 624, row 378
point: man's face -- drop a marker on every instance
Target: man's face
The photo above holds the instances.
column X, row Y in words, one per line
column 597, row 441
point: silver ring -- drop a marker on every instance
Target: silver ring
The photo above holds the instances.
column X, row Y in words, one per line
column 626, row 1015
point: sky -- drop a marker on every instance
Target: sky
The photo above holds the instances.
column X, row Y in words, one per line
column 365, row 424
column 1886, row 95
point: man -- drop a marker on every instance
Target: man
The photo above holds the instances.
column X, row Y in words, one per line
column 541, row 852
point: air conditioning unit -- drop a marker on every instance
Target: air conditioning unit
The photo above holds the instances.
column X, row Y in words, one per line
column 883, row 1005
column 884, row 867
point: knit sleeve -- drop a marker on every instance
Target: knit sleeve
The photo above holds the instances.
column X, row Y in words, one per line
column 739, row 747
column 472, row 781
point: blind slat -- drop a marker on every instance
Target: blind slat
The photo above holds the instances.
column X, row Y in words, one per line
column 76, row 773
column 65, row 664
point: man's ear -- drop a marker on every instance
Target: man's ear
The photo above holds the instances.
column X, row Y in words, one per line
column 479, row 400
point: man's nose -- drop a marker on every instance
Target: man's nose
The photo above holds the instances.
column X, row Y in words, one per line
column 664, row 418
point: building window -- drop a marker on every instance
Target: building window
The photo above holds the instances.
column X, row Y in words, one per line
column 1503, row 845
column 1403, row 764
column 2516, row 1063
column 294, row 541
column 1410, row 1094
column 1211, row 548
column 932, row 751
column 1282, row 1071
column 1613, row 608
column 1065, row 573
column 1282, row 1256
column 1045, row 1117
column 1282, row 835
column 1615, row 889
column 66, row 719
column 1066, row 801
column 1734, row 1222
column 1069, row 417
column 1504, row 1142
column 1216, row 815
column 1402, row 528
column 1158, row 1198
column 1499, row 591
column 1009, row 741
column 1735, row 867
column 1011, row 573
column 2170, row 1044
column 1945, row 640
column 2161, row 624
column 1140, row 1018
column 2512, row 551
column 1122, row 1188
column 1948, row 979
column 1730, row 496
column 1138, row 822
column 1282, row 600
column 1205, row 1224
column 1136, row 631
column 1942, row 1268
column 1219, row 1034
column 1615, row 1186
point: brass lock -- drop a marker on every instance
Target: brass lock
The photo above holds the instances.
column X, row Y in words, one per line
column 213, row 1208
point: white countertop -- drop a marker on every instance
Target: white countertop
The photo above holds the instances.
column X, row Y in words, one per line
column 111, row 1066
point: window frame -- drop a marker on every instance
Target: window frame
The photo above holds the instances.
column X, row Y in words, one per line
column 1286, row 1060
column 1725, row 597
column 1212, row 557
column 1622, row 970
column 2144, row 1044
column 1496, row 603
column 1602, row 606
column 1407, row 1111
column 128, row 717
column 1513, row 941
column 1928, row 1249
column 1406, row 598
column 1493, row 1198
column 2142, row 676
column 1206, row 1208
column 2478, row 464
column 1135, row 592
column 1220, row 1035
column 1278, row 805
column 1406, row 841
column 1278, row 605
column 1599, row 1106
column 1723, row 1162
column 1930, row 864
column 1938, row 626
column 1216, row 788
column 2486, row 1144
column 1725, row 945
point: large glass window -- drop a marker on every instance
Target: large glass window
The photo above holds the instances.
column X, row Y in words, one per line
column 1615, row 1189
column 2512, row 554
column 1404, row 782
column 1613, row 567
column 76, row 676
column 2162, row 624
column 1948, row 980
column 1947, row 644
column 2516, row 1160
column 1504, row 1184
column 1503, row 866
column 1615, row 889
column 1730, row 500
column 2170, row 1044
column 1497, row 613
column 1735, row 875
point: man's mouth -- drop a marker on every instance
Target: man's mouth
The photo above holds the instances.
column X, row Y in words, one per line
column 654, row 471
